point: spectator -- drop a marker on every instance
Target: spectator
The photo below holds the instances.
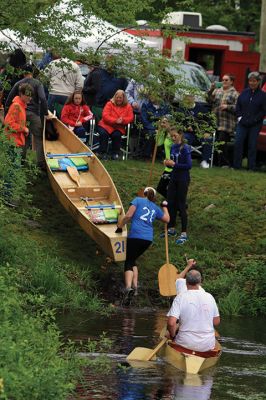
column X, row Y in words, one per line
column 12, row 72
column 223, row 102
column 135, row 95
column 167, row 142
column 180, row 162
column 36, row 110
column 151, row 112
column 76, row 114
column 101, row 85
column 15, row 120
column 64, row 78
column 196, row 120
column 116, row 115
column 250, row 111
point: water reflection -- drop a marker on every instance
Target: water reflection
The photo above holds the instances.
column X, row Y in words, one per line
column 241, row 369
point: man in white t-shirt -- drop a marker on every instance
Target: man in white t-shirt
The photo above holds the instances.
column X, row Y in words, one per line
column 180, row 283
column 197, row 314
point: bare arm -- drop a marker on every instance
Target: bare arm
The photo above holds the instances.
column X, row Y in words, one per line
column 171, row 326
column 127, row 218
column 190, row 264
column 165, row 217
column 216, row 321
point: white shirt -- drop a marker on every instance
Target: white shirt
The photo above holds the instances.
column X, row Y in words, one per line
column 181, row 286
column 64, row 76
column 195, row 310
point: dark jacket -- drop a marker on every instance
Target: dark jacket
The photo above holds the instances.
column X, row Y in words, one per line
column 100, row 86
column 151, row 114
column 251, row 107
column 181, row 155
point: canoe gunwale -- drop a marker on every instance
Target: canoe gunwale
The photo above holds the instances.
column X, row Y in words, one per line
column 93, row 187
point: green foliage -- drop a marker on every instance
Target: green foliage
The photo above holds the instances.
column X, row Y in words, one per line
column 235, row 15
column 31, row 365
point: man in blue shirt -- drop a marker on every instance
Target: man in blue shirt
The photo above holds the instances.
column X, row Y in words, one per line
column 250, row 111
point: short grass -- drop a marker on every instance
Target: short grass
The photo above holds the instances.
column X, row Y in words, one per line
column 224, row 239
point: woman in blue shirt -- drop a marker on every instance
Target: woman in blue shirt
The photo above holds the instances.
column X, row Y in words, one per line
column 142, row 214
column 180, row 161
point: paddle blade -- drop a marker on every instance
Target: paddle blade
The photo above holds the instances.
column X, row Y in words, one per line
column 167, row 276
column 140, row 354
column 193, row 363
column 74, row 174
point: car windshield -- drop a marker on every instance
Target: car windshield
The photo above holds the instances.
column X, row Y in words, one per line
column 192, row 75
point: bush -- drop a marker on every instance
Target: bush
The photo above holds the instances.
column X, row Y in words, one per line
column 32, row 365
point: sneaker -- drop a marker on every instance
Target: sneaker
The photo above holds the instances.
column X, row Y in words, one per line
column 102, row 156
column 128, row 294
column 182, row 239
column 171, row 233
column 204, row 164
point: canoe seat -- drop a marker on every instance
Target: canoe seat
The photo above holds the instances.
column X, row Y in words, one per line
column 203, row 354
column 61, row 164
column 103, row 216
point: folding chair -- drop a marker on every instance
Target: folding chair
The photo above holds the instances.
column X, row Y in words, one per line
column 197, row 149
column 94, row 141
column 125, row 138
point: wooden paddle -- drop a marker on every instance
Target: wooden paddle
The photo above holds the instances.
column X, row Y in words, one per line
column 167, row 274
column 141, row 191
column 74, row 174
column 145, row 354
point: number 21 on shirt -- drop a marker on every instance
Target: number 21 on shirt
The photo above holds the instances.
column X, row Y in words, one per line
column 148, row 214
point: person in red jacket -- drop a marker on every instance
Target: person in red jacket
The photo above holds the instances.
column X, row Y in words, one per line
column 15, row 120
column 76, row 114
column 117, row 113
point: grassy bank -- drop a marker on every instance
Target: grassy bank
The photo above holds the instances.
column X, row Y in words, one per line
column 47, row 262
column 227, row 238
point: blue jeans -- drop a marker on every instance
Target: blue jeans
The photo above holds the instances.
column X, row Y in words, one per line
column 243, row 132
column 206, row 150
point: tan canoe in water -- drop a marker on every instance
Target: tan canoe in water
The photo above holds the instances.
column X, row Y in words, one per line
column 87, row 195
column 189, row 363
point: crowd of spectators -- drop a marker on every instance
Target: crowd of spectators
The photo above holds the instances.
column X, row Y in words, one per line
column 114, row 102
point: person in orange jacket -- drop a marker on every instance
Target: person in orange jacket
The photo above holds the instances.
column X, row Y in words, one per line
column 16, row 130
column 117, row 113
column 15, row 120
column 76, row 114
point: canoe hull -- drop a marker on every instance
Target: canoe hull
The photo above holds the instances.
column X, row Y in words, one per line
column 95, row 184
column 188, row 363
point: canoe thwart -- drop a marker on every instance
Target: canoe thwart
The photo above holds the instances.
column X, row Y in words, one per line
column 102, row 207
column 56, row 155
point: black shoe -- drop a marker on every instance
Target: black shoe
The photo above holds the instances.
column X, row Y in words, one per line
column 128, row 294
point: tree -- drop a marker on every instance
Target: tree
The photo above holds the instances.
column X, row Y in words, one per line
column 236, row 15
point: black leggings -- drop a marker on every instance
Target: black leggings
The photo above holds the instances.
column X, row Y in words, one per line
column 176, row 197
column 135, row 247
